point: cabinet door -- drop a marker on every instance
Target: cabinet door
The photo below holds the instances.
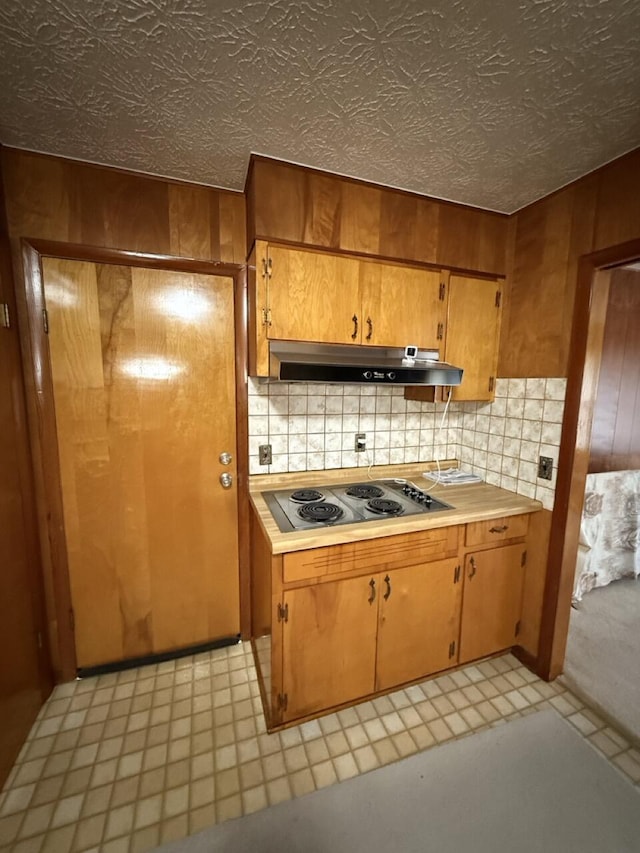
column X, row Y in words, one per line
column 400, row 306
column 473, row 330
column 329, row 644
column 419, row 620
column 313, row 296
column 492, row 601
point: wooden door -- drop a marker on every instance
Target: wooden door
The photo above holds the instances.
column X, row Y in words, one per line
column 419, row 620
column 400, row 306
column 25, row 676
column 329, row 644
column 144, row 390
column 313, row 296
column 492, row 601
column 473, row 333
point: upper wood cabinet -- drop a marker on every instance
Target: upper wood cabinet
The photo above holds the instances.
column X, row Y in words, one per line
column 474, row 310
column 303, row 295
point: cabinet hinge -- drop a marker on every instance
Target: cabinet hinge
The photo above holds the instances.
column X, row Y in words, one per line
column 492, row 382
column 266, row 316
column 452, row 649
column 498, row 298
column 45, row 320
column 523, row 559
column 5, row 317
column 440, row 333
column 443, row 291
column 517, row 631
column 456, row 574
column 283, row 700
column 72, row 619
column 39, row 639
column 283, row 613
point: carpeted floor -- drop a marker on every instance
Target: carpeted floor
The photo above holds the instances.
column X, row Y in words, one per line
column 531, row 785
column 603, row 652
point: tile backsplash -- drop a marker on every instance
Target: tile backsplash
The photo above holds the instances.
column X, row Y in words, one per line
column 313, row 427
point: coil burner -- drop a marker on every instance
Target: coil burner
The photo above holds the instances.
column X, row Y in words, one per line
column 385, row 506
column 364, row 491
column 322, row 512
column 304, row 496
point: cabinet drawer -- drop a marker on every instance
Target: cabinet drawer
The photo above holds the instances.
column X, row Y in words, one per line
column 371, row 554
column 496, row 530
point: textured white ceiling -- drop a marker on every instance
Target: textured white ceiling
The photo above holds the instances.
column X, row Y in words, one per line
column 489, row 102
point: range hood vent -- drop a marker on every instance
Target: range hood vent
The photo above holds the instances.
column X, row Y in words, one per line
column 291, row 361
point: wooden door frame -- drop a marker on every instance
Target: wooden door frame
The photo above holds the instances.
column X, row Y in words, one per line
column 584, row 364
column 45, row 454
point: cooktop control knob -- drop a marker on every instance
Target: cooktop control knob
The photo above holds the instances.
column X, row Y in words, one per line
column 368, row 374
column 391, row 375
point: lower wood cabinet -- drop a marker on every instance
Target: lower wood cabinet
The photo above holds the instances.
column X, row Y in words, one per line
column 418, row 621
column 328, row 646
column 493, row 586
column 338, row 624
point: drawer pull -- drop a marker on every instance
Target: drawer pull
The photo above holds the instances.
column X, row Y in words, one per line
column 472, row 563
column 372, row 597
column 387, row 580
column 500, row 529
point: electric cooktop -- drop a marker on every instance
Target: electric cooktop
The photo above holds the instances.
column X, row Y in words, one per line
column 324, row 506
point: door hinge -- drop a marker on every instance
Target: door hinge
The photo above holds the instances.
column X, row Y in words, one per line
column 518, row 625
column 5, row 317
column 456, row 574
column 45, row 320
column 492, row 382
column 283, row 613
column 440, row 333
column 283, row 701
column 443, row 291
column 452, row 649
column 72, row 619
column 266, row 316
column 498, row 298
column 523, row 559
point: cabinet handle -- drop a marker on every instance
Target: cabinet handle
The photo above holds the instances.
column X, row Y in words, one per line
column 372, row 597
column 472, row 563
column 387, row 580
column 370, row 325
column 500, row 529
column 355, row 327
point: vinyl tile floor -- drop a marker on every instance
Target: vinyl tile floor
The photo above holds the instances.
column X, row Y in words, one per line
column 124, row 762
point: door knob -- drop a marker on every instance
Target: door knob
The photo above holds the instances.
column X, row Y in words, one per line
column 225, row 458
column 226, row 480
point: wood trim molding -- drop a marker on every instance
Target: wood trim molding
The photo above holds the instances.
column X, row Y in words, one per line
column 46, row 451
column 584, row 358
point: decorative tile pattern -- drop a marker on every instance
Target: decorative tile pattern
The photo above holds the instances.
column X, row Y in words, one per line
column 127, row 761
column 312, row 427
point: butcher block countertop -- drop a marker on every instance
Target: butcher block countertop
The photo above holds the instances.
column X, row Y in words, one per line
column 474, row 502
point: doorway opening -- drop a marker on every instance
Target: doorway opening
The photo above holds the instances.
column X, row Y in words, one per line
column 597, row 280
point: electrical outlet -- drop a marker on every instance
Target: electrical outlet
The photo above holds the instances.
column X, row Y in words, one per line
column 264, row 454
column 545, row 468
column 361, row 442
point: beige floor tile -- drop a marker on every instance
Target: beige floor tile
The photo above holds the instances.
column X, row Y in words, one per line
column 92, row 775
column 279, row 790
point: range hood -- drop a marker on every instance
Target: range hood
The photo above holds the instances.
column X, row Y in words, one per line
column 291, row 361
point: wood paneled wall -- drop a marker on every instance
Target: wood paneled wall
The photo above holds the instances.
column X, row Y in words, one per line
column 547, row 238
column 299, row 205
column 25, row 677
column 55, row 199
column 50, row 198
column 615, row 431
